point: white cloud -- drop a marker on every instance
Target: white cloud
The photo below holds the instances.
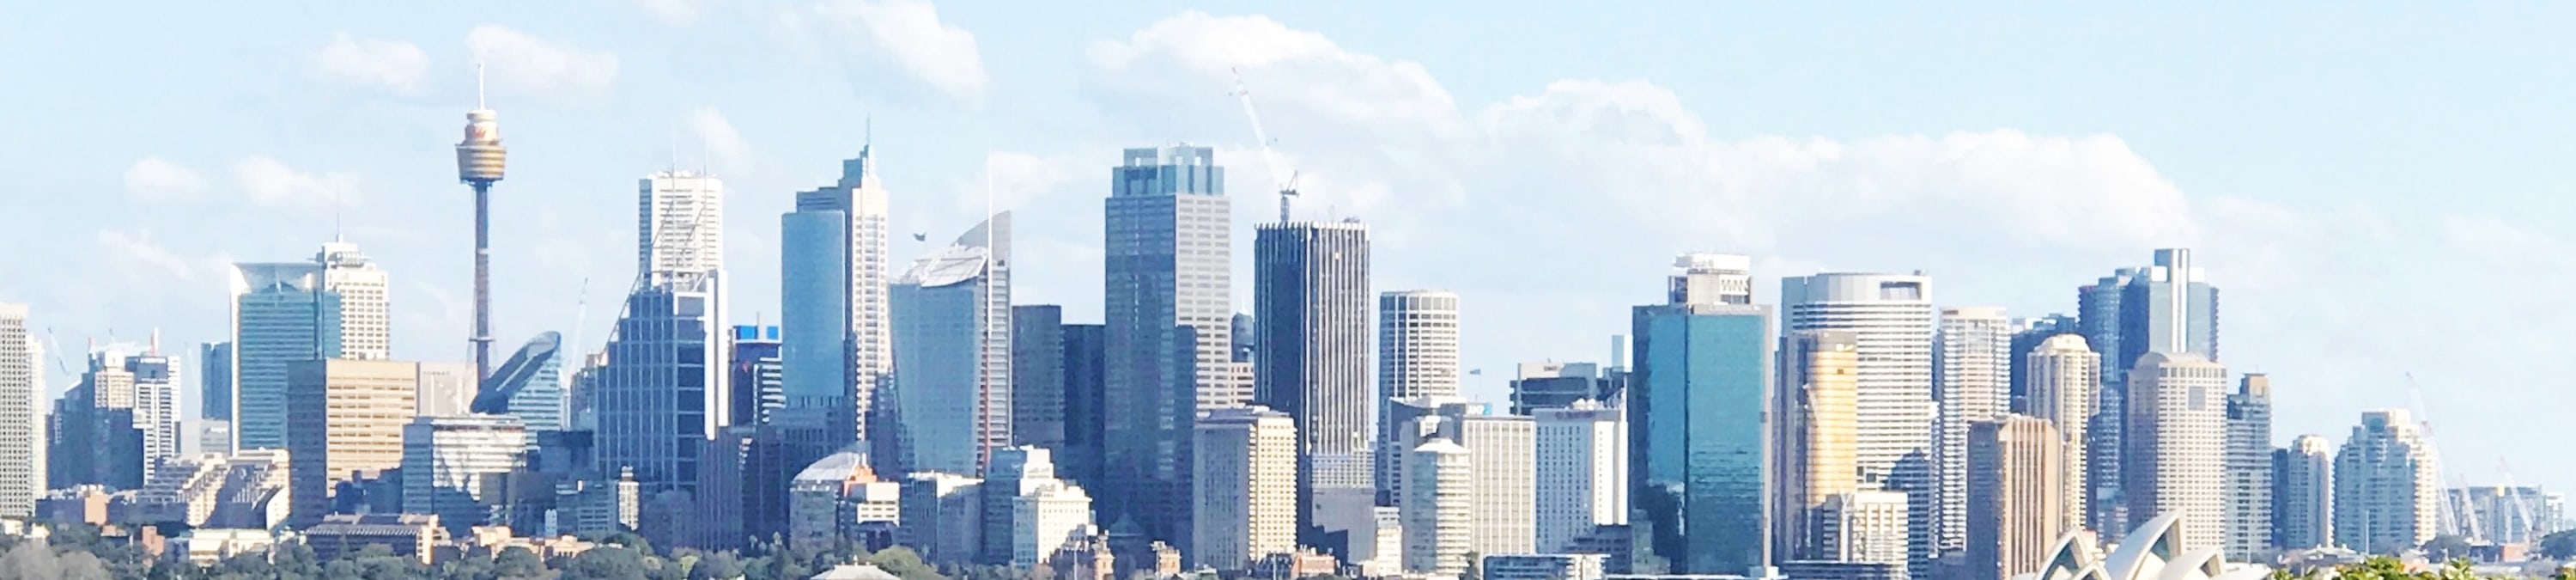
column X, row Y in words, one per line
column 270, row 182
column 157, row 179
column 388, row 64
column 724, row 145
column 139, row 256
column 904, row 34
column 554, row 69
column 1015, row 179
column 673, row 12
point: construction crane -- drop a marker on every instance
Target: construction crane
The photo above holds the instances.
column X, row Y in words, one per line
column 1288, row 185
column 2530, row 530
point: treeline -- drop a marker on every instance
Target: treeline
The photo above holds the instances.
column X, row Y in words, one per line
column 77, row 552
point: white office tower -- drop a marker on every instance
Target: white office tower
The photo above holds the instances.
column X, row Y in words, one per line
column 22, row 441
column 2065, row 379
column 155, row 399
column 2176, row 445
column 664, row 392
column 1504, row 449
column 454, row 466
column 1417, row 345
column 333, row 307
column 1439, row 509
column 1974, row 367
column 1246, row 496
column 1708, row 279
column 1891, row 317
column 1051, row 518
column 1863, row 526
column 2303, row 488
column 2385, row 485
column 1015, row 472
column 952, row 338
column 833, row 270
column 1582, row 473
column 446, row 389
column 943, row 517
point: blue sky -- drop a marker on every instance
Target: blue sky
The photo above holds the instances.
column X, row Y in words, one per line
column 2370, row 184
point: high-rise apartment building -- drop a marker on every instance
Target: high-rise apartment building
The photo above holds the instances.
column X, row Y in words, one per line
column 344, row 416
column 333, row 307
column 1311, row 336
column 1439, row 508
column 2013, row 496
column 1813, row 435
column 1417, row 357
column 459, row 467
column 1696, row 400
column 2028, row 333
column 1892, row 318
column 1168, row 304
column 833, row 272
column 1038, row 377
column 2065, row 381
column 2303, row 493
column 1245, row 488
column 665, row 391
column 1582, row 465
column 1973, row 374
column 952, row 337
column 22, row 440
column 2386, row 487
column 2177, row 443
column 2249, row 469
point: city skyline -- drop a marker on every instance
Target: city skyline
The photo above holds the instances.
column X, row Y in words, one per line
column 542, row 273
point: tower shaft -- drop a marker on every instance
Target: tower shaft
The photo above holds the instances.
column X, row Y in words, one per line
column 482, row 339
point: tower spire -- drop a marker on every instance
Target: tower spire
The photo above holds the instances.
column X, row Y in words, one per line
column 478, row 85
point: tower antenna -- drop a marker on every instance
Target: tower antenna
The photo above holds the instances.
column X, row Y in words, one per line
column 478, row 84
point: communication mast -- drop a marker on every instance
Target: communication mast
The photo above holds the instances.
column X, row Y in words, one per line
column 479, row 161
column 1288, row 184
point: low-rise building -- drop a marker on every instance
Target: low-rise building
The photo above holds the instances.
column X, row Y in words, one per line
column 414, row 536
column 1545, row 567
column 208, row 546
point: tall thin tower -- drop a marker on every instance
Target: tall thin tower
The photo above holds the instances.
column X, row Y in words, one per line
column 479, row 159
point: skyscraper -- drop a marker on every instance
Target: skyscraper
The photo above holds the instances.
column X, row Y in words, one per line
column 2177, row 444
column 664, row 392
column 1085, row 403
column 2167, row 307
column 952, row 338
column 2385, row 485
column 215, row 381
column 1503, row 448
column 22, row 441
column 758, row 375
column 834, row 268
column 1891, row 318
column 1038, row 377
column 2303, row 491
column 1311, row 321
column 1417, row 357
column 528, row 385
column 1696, row 401
column 2065, row 379
column 333, row 307
column 2028, row 333
column 1814, row 425
column 345, row 416
column 1974, row 373
column 2013, row 503
column 1168, row 306
column 1439, row 508
column 1555, row 385
column 1582, row 467
column 455, row 467
column 1246, row 487
column 2249, row 469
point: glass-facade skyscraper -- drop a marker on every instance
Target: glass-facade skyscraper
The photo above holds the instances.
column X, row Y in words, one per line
column 952, row 337
column 1702, row 379
column 833, row 269
column 332, row 307
column 1311, row 320
column 1169, row 316
column 528, row 385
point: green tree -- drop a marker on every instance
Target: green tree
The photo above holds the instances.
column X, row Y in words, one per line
column 2446, row 547
column 606, row 563
column 717, row 566
column 518, row 562
column 904, row 563
column 2559, row 545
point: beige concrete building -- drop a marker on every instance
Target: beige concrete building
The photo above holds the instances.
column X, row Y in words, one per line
column 2013, row 506
column 1246, row 488
column 2176, row 443
column 343, row 416
column 2065, row 389
column 1504, row 449
column 1813, row 437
